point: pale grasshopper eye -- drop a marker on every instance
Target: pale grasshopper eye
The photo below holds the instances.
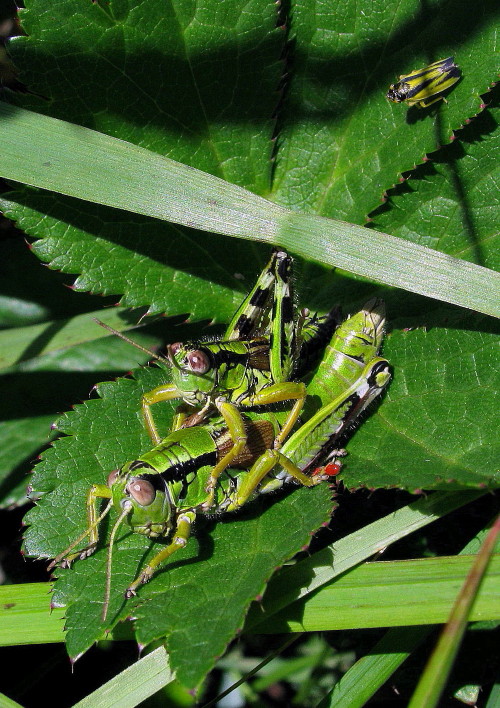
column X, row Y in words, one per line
column 112, row 477
column 198, row 362
column 141, row 491
column 174, row 348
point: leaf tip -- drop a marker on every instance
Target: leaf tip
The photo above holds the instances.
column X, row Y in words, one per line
column 140, row 648
column 74, row 659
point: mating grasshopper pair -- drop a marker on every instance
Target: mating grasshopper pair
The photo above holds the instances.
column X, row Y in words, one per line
column 232, row 452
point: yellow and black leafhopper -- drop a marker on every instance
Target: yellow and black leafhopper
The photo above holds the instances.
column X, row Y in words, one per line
column 424, row 87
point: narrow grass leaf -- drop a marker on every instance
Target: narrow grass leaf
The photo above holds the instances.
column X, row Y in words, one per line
column 134, row 685
column 66, row 158
column 433, row 680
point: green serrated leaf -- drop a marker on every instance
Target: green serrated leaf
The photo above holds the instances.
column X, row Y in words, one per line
column 200, row 83
column 212, row 108
column 344, row 58
column 451, row 203
column 182, row 602
column 160, row 265
column 435, row 428
column 119, row 252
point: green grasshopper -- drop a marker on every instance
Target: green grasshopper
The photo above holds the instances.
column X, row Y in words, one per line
column 252, row 365
column 350, row 371
column 354, row 344
column 162, row 491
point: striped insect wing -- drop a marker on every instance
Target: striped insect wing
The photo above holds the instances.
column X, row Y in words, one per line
column 252, row 317
column 247, row 324
column 424, row 87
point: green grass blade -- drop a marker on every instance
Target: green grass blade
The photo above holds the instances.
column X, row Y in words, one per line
column 494, row 697
column 66, row 158
column 370, row 596
column 6, row 702
column 322, row 567
column 20, row 343
column 392, row 261
column 83, row 163
column 364, row 597
column 370, row 672
column 25, row 615
column 133, row 685
column 436, row 673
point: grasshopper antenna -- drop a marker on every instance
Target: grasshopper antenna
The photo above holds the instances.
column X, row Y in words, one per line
column 131, row 341
column 127, row 508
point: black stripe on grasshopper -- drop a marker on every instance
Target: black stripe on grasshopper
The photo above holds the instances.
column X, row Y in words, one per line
column 251, row 318
column 180, row 470
column 245, row 326
column 183, row 471
column 375, row 379
column 223, row 358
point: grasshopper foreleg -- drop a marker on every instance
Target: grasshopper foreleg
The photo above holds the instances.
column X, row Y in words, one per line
column 96, row 491
column 181, row 536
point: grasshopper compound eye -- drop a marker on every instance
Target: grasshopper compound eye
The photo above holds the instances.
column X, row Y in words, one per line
column 112, row 477
column 141, row 491
column 198, row 362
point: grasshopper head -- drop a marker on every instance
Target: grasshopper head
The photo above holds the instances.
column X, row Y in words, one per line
column 193, row 371
column 360, row 335
column 146, row 495
column 145, row 501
